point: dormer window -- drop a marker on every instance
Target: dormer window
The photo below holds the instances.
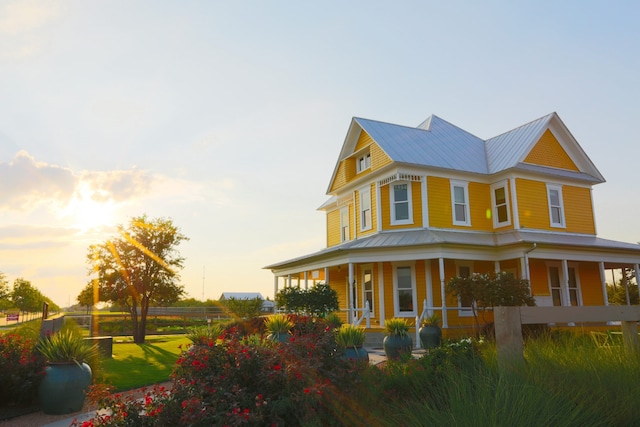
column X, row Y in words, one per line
column 556, row 206
column 364, row 162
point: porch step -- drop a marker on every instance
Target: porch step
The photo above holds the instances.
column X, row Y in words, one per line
column 373, row 339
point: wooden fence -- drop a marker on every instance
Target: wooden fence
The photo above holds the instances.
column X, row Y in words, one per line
column 509, row 321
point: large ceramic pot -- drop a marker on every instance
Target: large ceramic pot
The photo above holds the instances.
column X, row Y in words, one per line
column 396, row 345
column 356, row 354
column 430, row 336
column 63, row 388
column 279, row 336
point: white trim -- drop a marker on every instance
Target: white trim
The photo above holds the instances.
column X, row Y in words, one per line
column 378, row 208
column 344, row 211
column 560, row 206
column 494, row 204
column 465, row 188
column 381, row 293
column 464, row 312
column 363, row 162
column 425, row 202
column 396, row 302
column 563, row 277
column 372, row 306
column 514, row 203
column 365, row 191
column 392, row 204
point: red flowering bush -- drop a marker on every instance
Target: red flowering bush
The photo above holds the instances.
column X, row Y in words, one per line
column 21, row 370
column 247, row 380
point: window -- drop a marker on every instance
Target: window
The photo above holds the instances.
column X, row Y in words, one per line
column 365, row 209
column 405, row 291
column 401, row 204
column 500, row 200
column 556, row 210
column 367, row 288
column 364, row 162
column 555, row 284
column 460, row 203
column 344, row 225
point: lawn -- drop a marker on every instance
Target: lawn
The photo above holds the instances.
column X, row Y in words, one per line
column 136, row 365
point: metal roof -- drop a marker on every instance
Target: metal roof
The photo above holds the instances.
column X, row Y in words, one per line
column 437, row 143
column 430, row 237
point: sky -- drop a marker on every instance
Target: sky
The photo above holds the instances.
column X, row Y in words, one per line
column 228, row 116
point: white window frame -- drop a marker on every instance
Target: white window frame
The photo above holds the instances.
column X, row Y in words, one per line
column 559, row 206
column 365, row 194
column 464, row 311
column 494, row 203
column 393, row 203
column 577, row 288
column 465, row 188
column 368, row 268
column 345, row 231
column 396, row 302
column 363, row 162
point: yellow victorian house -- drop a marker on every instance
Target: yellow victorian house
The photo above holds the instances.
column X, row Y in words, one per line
column 412, row 207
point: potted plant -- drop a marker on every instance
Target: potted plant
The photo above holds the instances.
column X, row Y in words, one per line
column 398, row 341
column 205, row 335
column 351, row 339
column 430, row 333
column 67, row 374
column 278, row 326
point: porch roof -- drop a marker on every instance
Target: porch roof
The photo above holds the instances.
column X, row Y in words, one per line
column 437, row 237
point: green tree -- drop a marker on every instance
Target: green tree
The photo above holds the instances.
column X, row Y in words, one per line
column 5, row 292
column 626, row 287
column 482, row 291
column 139, row 268
column 26, row 297
column 243, row 308
column 319, row 300
column 86, row 297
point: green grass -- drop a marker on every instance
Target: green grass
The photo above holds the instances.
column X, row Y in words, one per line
column 136, row 365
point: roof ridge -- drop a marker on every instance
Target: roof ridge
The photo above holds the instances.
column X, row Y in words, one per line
column 547, row 116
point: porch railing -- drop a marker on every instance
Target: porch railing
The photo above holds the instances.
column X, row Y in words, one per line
column 366, row 314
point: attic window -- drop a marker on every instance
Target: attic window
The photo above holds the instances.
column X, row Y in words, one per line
column 364, row 162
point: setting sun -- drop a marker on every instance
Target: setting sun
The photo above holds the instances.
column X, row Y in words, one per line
column 89, row 209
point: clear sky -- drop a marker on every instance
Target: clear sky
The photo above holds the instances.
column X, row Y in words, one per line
column 228, row 116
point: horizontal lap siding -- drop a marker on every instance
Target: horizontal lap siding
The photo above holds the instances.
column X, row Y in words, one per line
column 539, row 279
column 333, row 227
column 480, row 207
column 549, row 152
column 590, row 284
column 578, row 210
column 439, row 198
column 533, row 208
column 379, row 158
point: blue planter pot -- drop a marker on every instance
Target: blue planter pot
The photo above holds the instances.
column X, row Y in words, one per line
column 356, row 354
column 430, row 336
column 63, row 388
column 278, row 336
column 396, row 345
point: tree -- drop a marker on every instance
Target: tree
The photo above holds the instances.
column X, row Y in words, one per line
column 244, row 308
column 86, row 297
column 139, row 268
column 482, row 291
column 321, row 299
column 5, row 292
column 26, row 297
column 625, row 292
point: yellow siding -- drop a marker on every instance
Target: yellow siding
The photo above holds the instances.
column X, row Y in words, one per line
column 374, row 213
column 363, row 141
column 345, row 173
column 578, row 210
column 549, row 152
column 421, row 284
column 590, row 284
column 333, row 228
column 379, row 158
column 387, row 271
column 439, row 195
column 479, row 207
column 539, row 279
column 533, row 207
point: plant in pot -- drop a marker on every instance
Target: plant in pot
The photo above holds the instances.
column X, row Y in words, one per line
column 67, row 375
column 430, row 333
column 351, row 339
column 278, row 327
column 398, row 341
column 205, row 335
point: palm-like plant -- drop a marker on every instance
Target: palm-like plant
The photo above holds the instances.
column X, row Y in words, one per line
column 66, row 346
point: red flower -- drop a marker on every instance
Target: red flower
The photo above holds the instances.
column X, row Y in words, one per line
column 276, row 367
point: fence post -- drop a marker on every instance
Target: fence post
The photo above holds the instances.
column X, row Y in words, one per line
column 630, row 335
column 509, row 343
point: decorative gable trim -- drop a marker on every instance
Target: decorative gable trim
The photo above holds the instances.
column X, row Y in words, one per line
column 399, row 177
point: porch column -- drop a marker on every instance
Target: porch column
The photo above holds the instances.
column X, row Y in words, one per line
column 351, row 293
column 326, row 275
column 306, row 280
column 443, row 297
column 275, row 287
column 496, row 266
column 603, row 282
column 565, row 283
column 381, row 293
column 428, row 284
column 288, row 284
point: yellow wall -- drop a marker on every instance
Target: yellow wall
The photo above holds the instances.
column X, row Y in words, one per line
column 549, row 152
column 347, row 168
column 379, row 158
column 590, row 283
column 439, row 198
column 333, row 227
column 363, row 141
column 479, row 207
column 578, row 210
column 416, row 206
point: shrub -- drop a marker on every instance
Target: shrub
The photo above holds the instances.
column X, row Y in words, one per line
column 21, row 369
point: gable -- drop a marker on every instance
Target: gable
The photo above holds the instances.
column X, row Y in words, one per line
column 548, row 152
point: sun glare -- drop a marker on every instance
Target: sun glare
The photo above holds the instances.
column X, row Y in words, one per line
column 89, row 210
